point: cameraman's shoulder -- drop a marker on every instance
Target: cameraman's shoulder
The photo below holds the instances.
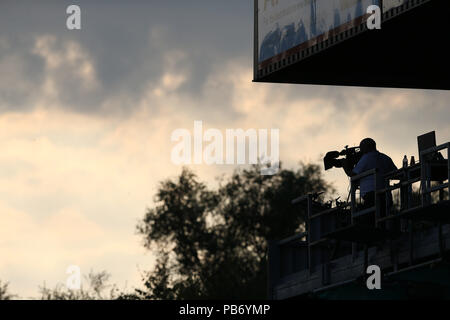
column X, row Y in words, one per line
column 389, row 160
column 385, row 156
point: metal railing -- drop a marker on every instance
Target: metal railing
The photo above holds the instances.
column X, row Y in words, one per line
column 300, row 255
column 426, row 172
column 355, row 181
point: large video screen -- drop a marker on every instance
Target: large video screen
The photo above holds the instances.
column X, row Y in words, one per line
column 389, row 4
column 286, row 24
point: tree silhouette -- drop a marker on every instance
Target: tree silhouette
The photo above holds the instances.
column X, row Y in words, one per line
column 98, row 289
column 4, row 291
column 213, row 244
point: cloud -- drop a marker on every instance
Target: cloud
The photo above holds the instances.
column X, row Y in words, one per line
column 122, row 50
column 69, row 59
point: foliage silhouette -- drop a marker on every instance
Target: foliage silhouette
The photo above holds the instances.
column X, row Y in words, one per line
column 213, row 244
column 4, row 291
column 98, row 289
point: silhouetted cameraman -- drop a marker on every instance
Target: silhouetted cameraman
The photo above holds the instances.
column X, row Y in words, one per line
column 371, row 159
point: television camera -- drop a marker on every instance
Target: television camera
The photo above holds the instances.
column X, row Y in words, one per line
column 336, row 159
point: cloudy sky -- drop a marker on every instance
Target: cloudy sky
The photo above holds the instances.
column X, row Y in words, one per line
column 86, row 119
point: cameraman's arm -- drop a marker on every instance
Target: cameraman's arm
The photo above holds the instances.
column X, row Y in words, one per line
column 361, row 166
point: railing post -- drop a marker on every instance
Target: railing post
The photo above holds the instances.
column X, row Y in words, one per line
column 423, row 178
column 409, row 191
column 308, row 234
column 273, row 272
column 448, row 168
column 375, row 196
column 353, row 199
column 353, row 210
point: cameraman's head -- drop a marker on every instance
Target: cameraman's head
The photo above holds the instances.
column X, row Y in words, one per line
column 368, row 145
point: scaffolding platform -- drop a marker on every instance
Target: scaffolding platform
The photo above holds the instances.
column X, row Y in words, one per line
column 361, row 234
column 341, row 241
column 437, row 212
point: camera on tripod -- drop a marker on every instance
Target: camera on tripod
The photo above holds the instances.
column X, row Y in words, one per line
column 335, row 159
